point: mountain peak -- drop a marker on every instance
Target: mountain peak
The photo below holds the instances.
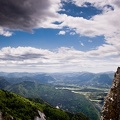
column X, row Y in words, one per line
column 118, row 70
column 111, row 108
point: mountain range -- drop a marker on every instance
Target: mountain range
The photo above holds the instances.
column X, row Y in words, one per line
column 43, row 86
column 80, row 78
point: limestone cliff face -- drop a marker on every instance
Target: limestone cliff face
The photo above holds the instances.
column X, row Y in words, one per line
column 111, row 108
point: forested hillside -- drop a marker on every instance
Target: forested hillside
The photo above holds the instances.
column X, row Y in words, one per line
column 13, row 106
column 64, row 99
column 73, row 92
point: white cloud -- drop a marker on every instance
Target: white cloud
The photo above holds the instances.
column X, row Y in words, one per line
column 5, row 32
column 104, row 51
column 97, row 3
column 72, row 33
column 90, row 41
column 82, row 44
column 106, row 24
column 81, row 12
column 61, row 60
column 62, row 32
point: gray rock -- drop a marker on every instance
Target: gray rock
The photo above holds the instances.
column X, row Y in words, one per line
column 111, row 108
column 42, row 116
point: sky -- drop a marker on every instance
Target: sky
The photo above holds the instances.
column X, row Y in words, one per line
column 59, row 35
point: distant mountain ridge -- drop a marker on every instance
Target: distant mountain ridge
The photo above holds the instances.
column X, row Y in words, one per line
column 14, row 78
column 80, row 78
column 85, row 79
column 3, row 83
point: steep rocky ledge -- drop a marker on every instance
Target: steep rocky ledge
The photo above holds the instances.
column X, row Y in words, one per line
column 111, row 108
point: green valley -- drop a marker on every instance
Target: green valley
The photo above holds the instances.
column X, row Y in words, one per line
column 72, row 92
column 15, row 107
column 64, row 99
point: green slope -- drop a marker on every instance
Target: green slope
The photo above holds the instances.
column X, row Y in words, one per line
column 16, row 107
column 65, row 99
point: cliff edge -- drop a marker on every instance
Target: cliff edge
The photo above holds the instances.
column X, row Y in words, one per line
column 111, row 108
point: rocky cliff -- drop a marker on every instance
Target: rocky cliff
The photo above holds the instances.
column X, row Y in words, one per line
column 111, row 108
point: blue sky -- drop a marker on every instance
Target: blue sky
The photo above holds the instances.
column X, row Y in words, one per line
column 59, row 35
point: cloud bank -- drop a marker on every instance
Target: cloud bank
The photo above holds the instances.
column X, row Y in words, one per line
column 27, row 15
column 61, row 60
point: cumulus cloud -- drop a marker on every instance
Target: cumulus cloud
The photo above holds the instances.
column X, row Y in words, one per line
column 72, row 33
column 99, row 4
column 81, row 43
column 60, row 60
column 90, row 41
column 22, row 53
column 106, row 24
column 62, row 33
column 104, row 51
column 5, row 32
column 28, row 14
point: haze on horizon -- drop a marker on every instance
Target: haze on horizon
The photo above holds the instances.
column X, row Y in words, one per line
column 59, row 35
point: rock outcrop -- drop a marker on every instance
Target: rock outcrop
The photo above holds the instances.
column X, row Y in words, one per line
column 111, row 108
column 41, row 116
